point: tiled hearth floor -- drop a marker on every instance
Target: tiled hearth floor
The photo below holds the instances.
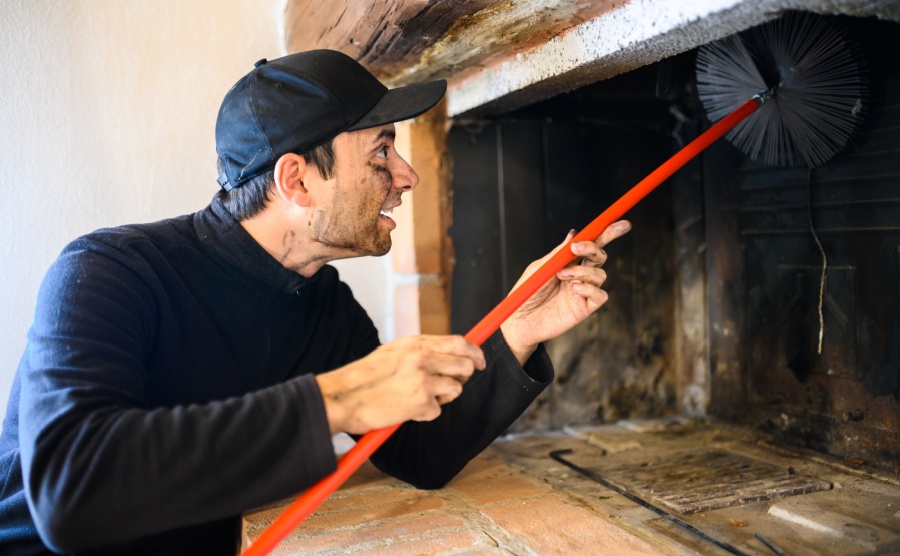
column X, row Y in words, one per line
column 516, row 499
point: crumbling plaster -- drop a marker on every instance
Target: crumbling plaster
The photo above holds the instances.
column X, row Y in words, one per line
column 637, row 33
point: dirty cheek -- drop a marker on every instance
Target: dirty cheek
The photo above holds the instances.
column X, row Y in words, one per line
column 383, row 175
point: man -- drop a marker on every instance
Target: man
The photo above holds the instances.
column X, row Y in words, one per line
column 182, row 372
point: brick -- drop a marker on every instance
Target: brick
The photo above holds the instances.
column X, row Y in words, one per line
column 362, row 499
column 365, row 536
column 555, row 525
column 432, row 545
column 354, row 516
column 338, row 514
column 489, row 484
column 336, row 503
column 367, row 476
column 255, row 522
column 483, row 551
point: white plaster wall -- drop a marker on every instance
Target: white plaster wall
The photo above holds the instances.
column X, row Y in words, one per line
column 107, row 115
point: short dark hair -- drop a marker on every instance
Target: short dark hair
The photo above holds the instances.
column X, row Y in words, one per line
column 248, row 200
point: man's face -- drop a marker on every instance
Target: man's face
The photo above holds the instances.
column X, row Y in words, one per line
column 369, row 176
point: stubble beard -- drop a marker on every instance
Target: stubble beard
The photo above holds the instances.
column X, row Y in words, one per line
column 344, row 229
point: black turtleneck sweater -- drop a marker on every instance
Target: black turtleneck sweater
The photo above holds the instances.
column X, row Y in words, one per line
column 168, row 386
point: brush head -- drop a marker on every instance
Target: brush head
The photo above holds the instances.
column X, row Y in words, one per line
column 816, row 80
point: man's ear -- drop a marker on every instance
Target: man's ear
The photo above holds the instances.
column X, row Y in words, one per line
column 290, row 174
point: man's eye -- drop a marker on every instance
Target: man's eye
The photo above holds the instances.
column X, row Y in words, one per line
column 382, row 152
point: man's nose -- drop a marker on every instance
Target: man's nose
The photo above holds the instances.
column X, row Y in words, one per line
column 405, row 178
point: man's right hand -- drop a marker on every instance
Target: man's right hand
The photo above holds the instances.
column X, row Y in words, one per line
column 407, row 379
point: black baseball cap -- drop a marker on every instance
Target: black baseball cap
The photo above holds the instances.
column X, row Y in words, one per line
column 295, row 103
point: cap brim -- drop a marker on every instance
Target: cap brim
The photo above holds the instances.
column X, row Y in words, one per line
column 402, row 103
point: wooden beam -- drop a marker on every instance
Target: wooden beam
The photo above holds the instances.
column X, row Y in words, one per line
column 387, row 36
column 403, row 41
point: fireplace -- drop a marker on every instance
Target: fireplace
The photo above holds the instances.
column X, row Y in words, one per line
column 694, row 413
column 714, row 296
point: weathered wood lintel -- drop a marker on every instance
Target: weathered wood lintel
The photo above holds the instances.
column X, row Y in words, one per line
column 403, row 41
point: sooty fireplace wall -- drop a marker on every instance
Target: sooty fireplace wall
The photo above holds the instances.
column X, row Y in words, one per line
column 714, row 296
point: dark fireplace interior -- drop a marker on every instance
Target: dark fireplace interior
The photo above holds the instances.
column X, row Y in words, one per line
column 715, row 294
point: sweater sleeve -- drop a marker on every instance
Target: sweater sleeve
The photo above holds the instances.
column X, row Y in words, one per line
column 429, row 454
column 100, row 464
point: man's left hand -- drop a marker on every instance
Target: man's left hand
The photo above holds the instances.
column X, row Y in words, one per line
column 565, row 300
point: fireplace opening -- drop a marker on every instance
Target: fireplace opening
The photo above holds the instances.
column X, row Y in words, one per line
column 693, row 414
column 714, row 295
column 521, row 181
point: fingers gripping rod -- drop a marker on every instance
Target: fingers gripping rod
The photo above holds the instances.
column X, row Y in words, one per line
column 307, row 503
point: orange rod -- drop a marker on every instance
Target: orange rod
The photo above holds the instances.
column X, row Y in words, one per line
column 307, row 503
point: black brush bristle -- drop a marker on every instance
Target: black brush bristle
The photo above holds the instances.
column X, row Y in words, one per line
column 819, row 82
